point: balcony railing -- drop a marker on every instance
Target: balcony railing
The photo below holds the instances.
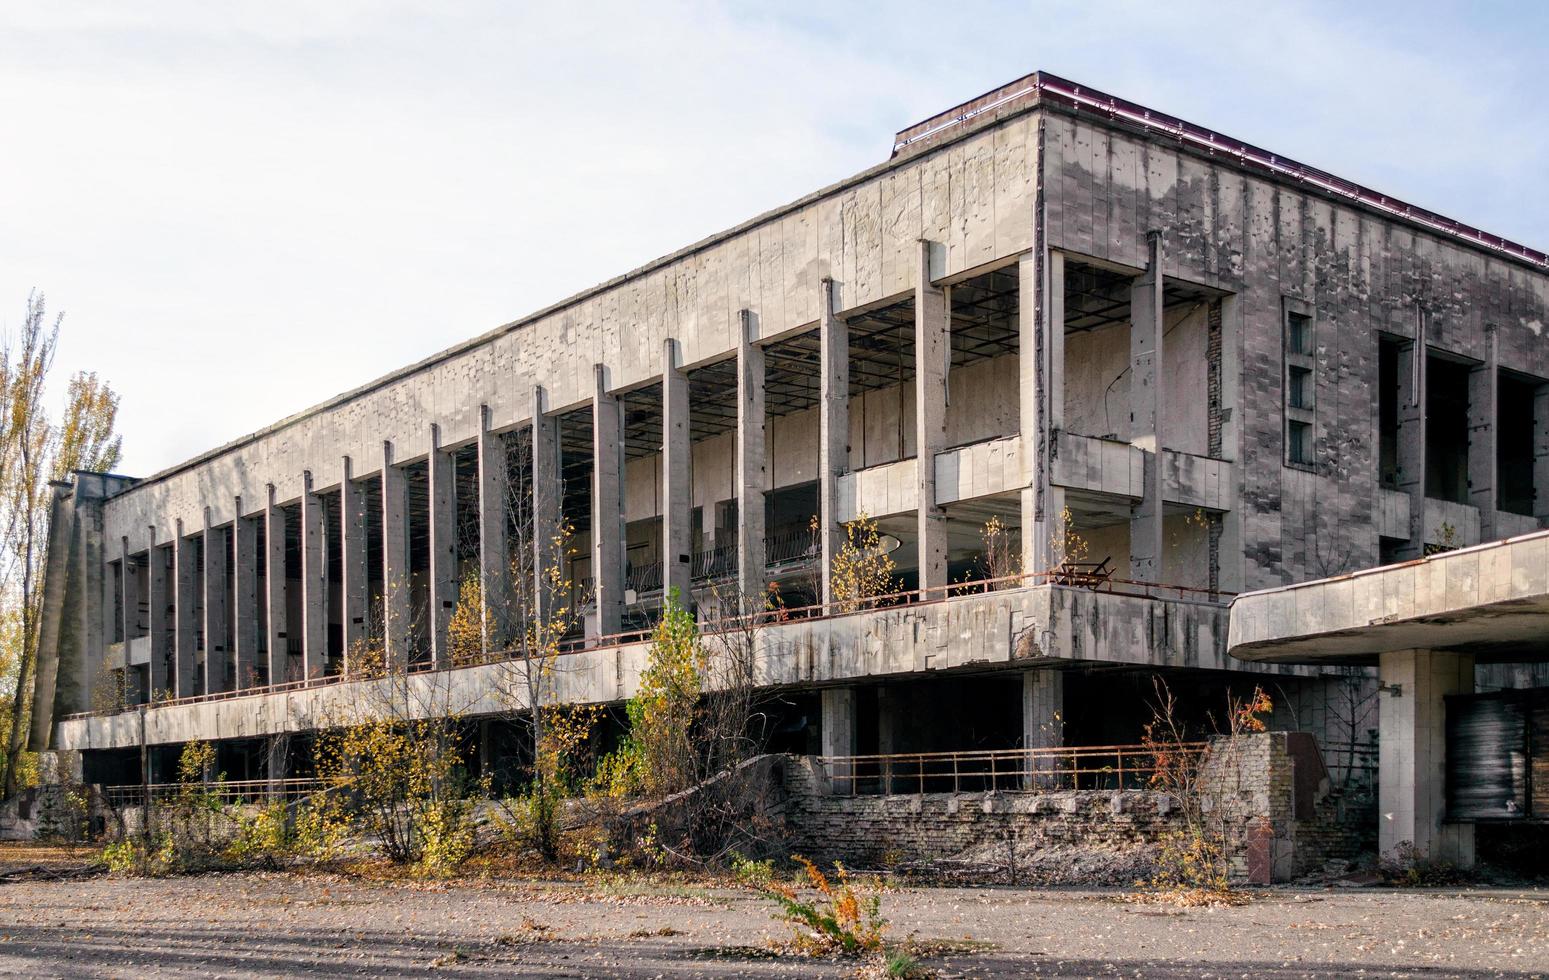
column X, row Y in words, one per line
column 225, row 791
column 1090, row 767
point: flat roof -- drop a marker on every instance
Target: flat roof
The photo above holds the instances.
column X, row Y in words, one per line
column 1491, row 600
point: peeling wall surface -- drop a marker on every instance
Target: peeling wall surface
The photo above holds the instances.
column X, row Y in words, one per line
column 1184, row 454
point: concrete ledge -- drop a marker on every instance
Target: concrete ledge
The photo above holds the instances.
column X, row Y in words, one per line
column 1492, row 598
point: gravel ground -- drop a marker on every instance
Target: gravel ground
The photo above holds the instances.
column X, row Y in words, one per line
column 246, row 925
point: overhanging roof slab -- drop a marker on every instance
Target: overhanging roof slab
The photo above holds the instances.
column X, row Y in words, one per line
column 1491, row 600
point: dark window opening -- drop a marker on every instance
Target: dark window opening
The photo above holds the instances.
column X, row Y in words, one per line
column 1298, row 333
column 1446, row 430
column 1299, row 442
column 1514, row 446
column 1300, row 393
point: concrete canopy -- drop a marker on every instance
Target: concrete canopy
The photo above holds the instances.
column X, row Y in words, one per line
column 1491, row 600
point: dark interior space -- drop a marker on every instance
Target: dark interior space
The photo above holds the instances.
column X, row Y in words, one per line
column 1446, row 430
column 1514, row 445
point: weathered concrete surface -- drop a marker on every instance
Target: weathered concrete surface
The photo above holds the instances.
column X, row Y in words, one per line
column 1492, row 599
column 996, row 630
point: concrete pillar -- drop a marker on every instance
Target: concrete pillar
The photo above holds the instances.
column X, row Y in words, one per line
column 750, row 473
column 127, row 595
column 162, row 619
column 217, row 547
column 277, row 762
column 245, row 597
column 314, row 583
column 443, row 548
column 833, row 431
column 932, row 360
column 838, row 734
column 354, row 564
column 677, row 490
column 187, row 585
column 274, row 590
column 1043, row 722
column 1412, row 753
column 1541, row 454
column 1146, row 412
column 1411, row 441
column 494, row 548
column 1483, row 463
column 396, row 617
column 607, row 506
column 546, row 500
column 1041, row 336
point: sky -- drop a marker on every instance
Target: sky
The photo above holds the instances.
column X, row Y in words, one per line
column 244, row 209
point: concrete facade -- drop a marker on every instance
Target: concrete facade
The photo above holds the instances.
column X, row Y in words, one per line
column 1092, row 323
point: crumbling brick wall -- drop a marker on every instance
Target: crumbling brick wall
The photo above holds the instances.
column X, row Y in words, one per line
column 1270, row 790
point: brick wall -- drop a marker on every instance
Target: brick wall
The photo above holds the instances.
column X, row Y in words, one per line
column 1270, row 790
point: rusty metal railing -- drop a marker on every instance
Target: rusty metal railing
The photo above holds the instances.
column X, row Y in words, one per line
column 223, row 790
column 1083, row 767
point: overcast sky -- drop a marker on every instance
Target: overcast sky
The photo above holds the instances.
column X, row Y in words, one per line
column 246, row 208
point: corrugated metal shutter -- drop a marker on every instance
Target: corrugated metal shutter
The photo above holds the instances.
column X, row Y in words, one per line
column 1539, row 719
column 1486, row 759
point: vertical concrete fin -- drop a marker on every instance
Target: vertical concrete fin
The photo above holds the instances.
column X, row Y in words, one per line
column 494, row 548
column 833, row 429
column 751, row 474
column 607, row 505
column 677, row 490
column 1146, row 411
column 56, row 571
column 932, row 356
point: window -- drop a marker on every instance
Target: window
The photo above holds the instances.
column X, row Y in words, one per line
column 1298, row 438
column 1298, row 334
column 1299, row 393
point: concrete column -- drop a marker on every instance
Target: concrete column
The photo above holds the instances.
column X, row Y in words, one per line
column 187, row 585
column 838, row 734
column 314, row 583
column 443, row 548
column 1146, row 412
column 396, row 617
column 607, row 506
column 245, row 597
column 1043, row 722
column 1412, row 753
column 127, row 596
column 354, row 565
column 1041, row 336
column 274, row 590
column 162, row 619
column 677, row 490
column 547, row 489
column 277, row 762
column 1411, row 441
column 1541, row 454
column 932, row 360
column 1483, row 463
column 833, row 431
column 217, row 546
column 750, row 473
column 494, row 548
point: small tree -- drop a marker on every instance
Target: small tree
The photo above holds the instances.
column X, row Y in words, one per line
column 861, row 571
column 1000, row 560
column 661, row 716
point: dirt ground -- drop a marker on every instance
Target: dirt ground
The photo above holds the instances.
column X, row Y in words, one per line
column 250, row 925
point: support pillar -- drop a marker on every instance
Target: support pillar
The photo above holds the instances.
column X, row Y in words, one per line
column 932, row 359
column 187, row 586
column 1146, row 412
column 163, row 617
column 314, row 583
column 245, row 620
column 1041, row 338
column 443, row 551
column 1043, row 723
column 607, row 506
column 677, row 491
column 274, row 591
column 751, row 475
column 1483, row 462
column 1411, row 442
column 833, row 431
column 1541, row 454
column 354, row 566
column 494, row 548
column 546, row 499
column 1412, row 754
column 395, row 563
column 217, row 548
column 276, row 764
column 838, row 735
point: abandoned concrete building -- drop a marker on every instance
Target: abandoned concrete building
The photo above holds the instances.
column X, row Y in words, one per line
column 1176, row 367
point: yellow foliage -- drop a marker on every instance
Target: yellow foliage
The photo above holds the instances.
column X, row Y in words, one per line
column 861, row 570
column 465, row 630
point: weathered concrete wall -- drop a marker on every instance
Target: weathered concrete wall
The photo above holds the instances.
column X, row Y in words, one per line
column 1266, row 241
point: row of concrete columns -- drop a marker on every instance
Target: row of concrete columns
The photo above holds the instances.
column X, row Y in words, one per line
column 1041, row 333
